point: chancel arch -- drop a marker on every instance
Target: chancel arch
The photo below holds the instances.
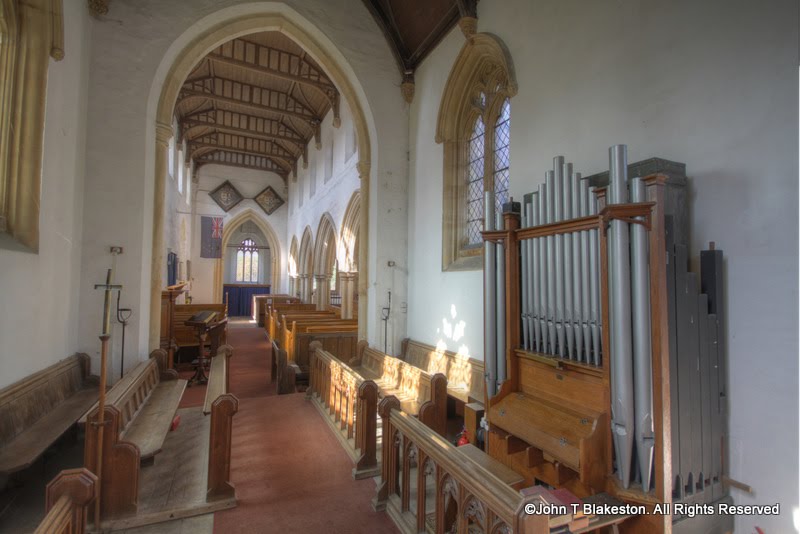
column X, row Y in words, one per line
column 232, row 228
column 325, row 260
column 474, row 104
column 305, row 268
column 347, row 254
column 181, row 60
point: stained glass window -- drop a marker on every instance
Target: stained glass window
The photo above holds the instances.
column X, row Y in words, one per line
column 475, row 172
column 247, row 262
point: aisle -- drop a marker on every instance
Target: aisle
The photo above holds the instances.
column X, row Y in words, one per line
column 291, row 474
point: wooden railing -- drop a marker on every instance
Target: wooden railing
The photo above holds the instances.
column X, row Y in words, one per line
column 427, row 484
column 351, row 403
column 67, row 497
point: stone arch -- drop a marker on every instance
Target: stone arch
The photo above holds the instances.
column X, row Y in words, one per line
column 305, row 265
column 483, row 67
column 347, row 250
column 325, row 246
column 229, row 228
column 181, row 57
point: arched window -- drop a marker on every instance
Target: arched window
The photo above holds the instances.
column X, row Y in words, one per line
column 474, row 127
column 247, row 262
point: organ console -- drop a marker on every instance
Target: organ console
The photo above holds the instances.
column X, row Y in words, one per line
column 605, row 365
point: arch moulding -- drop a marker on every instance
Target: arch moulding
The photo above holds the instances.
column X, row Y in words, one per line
column 275, row 17
column 229, row 229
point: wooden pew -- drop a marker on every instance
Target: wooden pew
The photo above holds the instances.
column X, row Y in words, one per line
column 297, row 352
column 350, row 404
column 273, row 312
column 420, row 393
column 449, row 485
column 39, row 409
column 340, row 339
column 139, row 414
column 262, row 302
column 66, row 499
column 465, row 382
column 222, row 405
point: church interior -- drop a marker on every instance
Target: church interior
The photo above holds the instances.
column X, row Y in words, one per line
column 442, row 266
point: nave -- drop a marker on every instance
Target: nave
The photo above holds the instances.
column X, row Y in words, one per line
column 290, row 473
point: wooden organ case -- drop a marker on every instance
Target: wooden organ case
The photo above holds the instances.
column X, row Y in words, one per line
column 552, row 418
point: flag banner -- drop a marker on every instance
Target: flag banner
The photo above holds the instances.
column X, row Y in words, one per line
column 211, row 237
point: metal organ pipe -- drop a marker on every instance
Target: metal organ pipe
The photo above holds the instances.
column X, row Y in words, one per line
column 587, row 268
column 489, row 296
column 525, row 282
column 542, row 219
column 532, row 210
column 594, row 284
column 558, row 201
column 642, row 355
column 622, row 410
column 577, row 268
column 567, row 214
column 501, row 307
column 551, row 264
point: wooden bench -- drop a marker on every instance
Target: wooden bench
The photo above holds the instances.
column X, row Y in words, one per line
column 349, row 403
column 138, row 418
column 39, row 409
column 420, row 393
column 219, row 380
column 146, row 398
column 66, row 499
column 340, row 340
column 465, row 380
column 262, row 302
column 272, row 325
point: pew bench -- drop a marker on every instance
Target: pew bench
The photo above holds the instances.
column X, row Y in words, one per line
column 185, row 336
column 465, row 380
column 420, row 394
column 147, row 398
column 219, row 380
column 36, row 411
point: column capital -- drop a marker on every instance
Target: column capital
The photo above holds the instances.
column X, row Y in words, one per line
column 363, row 168
column 347, row 275
column 322, row 277
column 163, row 133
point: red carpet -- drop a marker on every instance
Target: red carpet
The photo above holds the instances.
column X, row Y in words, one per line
column 290, row 472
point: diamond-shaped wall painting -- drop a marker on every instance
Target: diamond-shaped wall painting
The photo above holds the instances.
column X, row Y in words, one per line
column 226, row 196
column 269, row 200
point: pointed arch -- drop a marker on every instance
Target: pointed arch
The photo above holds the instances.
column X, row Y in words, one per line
column 481, row 81
column 305, row 265
column 294, row 257
column 347, row 250
column 325, row 246
column 229, row 228
column 178, row 62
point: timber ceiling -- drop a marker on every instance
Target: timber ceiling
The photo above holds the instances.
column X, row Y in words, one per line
column 255, row 102
column 414, row 27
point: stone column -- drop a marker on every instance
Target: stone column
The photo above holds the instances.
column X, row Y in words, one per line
column 163, row 135
column 323, row 296
column 305, row 287
column 363, row 248
column 292, row 285
column 347, row 290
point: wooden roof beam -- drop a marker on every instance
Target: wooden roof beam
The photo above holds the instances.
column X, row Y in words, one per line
column 245, row 143
column 214, row 117
column 288, row 165
column 189, row 125
column 207, row 160
column 241, row 94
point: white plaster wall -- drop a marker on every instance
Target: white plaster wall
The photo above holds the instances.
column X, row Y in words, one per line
column 329, row 197
column 712, row 84
column 132, row 50
column 38, row 325
column 249, row 183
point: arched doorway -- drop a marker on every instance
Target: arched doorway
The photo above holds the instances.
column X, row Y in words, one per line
column 179, row 62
